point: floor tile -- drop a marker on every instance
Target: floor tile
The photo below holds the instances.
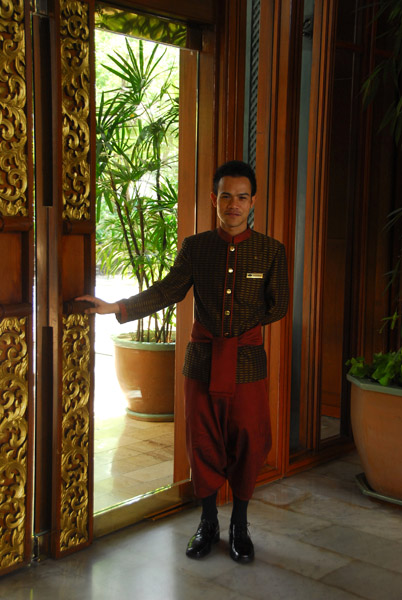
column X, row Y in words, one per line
column 280, row 494
column 150, row 473
column 281, row 520
column 297, row 556
column 118, row 438
column 266, row 582
column 385, row 523
column 367, row 580
column 344, row 489
column 361, row 545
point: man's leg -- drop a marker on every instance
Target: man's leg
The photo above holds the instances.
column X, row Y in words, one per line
column 207, row 456
column 249, row 441
column 241, row 546
column 205, row 438
column 208, row 530
column 239, row 511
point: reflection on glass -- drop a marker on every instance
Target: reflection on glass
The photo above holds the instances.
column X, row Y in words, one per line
column 341, row 194
column 146, row 27
column 297, row 418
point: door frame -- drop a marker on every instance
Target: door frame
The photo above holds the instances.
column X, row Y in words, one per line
column 66, row 247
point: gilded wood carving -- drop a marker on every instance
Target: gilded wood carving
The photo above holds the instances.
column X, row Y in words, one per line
column 74, row 32
column 75, row 432
column 13, row 439
column 13, row 122
column 75, row 416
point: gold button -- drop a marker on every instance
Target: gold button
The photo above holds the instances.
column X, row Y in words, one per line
column 227, row 312
column 226, row 334
column 228, row 291
column 230, row 270
column 232, row 248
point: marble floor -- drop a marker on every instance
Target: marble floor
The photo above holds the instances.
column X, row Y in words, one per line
column 316, row 538
column 131, row 457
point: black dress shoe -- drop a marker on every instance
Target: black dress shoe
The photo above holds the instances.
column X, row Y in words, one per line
column 201, row 542
column 241, row 546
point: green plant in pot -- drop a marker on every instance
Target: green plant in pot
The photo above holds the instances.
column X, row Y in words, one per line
column 137, row 131
column 376, row 392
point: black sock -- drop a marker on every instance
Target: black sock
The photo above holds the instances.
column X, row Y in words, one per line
column 239, row 511
column 209, row 510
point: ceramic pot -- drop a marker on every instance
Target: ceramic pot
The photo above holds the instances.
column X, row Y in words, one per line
column 145, row 372
column 376, row 414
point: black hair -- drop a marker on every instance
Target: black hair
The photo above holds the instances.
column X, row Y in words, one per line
column 235, row 168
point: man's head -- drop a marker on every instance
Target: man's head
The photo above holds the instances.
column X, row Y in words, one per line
column 235, row 168
column 233, row 195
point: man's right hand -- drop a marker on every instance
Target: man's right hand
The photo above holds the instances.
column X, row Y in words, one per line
column 100, row 306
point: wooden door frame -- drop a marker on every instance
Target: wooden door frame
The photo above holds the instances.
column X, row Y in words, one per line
column 276, row 171
column 68, row 242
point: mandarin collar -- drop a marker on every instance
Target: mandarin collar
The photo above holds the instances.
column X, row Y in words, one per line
column 244, row 235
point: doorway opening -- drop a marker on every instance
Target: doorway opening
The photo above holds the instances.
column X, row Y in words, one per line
column 137, row 108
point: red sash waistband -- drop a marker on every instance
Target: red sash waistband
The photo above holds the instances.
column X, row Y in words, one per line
column 224, row 356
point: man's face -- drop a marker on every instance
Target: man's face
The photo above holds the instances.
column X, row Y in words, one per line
column 233, row 203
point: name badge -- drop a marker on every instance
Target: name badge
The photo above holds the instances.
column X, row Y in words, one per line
column 255, row 275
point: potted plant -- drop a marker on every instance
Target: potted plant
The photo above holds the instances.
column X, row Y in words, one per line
column 137, row 130
column 376, row 391
column 376, row 417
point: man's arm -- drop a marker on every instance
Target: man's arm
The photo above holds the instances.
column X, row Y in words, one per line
column 277, row 291
column 166, row 292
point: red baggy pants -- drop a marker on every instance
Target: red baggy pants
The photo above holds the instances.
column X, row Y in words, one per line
column 227, row 438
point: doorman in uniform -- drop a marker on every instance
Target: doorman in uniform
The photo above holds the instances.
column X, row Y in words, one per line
column 240, row 283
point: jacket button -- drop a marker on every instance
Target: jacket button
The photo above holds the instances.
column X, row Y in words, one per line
column 232, row 248
column 228, row 291
column 230, row 270
column 227, row 312
column 226, row 334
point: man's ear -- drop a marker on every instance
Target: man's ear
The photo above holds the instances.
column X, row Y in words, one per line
column 213, row 199
column 252, row 201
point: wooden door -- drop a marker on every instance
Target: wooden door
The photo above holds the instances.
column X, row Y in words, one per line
column 65, row 198
column 16, row 276
column 46, row 340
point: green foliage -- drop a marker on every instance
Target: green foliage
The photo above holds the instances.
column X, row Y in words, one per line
column 136, row 171
column 359, row 368
column 141, row 25
column 385, row 369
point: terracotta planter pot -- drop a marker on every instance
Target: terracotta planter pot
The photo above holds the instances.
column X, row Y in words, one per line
column 145, row 372
column 376, row 413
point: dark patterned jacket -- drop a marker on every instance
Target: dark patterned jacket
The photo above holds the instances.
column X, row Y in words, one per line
column 239, row 282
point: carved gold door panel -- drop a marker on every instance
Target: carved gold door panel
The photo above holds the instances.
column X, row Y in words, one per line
column 47, row 259
column 65, row 269
column 74, row 269
column 16, row 283
column 56, row 346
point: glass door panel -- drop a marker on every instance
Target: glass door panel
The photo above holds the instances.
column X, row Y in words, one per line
column 298, row 412
column 138, row 59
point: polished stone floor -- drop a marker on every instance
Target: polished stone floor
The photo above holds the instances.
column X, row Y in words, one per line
column 131, row 457
column 316, row 538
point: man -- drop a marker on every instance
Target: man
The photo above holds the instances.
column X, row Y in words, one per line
column 240, row 283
